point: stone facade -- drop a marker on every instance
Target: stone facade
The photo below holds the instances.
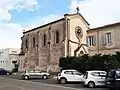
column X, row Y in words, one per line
column 101, row 39
column 43, row 46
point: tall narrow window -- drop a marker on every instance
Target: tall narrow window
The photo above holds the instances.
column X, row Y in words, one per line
column 33, row 41
column 91, row 40
column 26, row 43
column 57, row 37
column 108, row 37
column 44, row 40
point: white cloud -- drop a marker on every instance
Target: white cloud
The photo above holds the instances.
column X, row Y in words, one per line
column 8, row 5
column 98, row 12
column 10, row 34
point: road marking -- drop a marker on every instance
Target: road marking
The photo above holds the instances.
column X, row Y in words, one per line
column 44, row 84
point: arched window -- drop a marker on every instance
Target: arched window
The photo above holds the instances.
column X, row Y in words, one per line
column 44, row 40
column 81, row 53
column 33, row 41
column 26, row 43
column 57, row 37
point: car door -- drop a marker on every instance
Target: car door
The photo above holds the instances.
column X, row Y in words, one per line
column 32, row 74
column 38, row 74
column 77, row 76
column 69, row 75
column 1, row 72
column 101, row 78
column 95, row 77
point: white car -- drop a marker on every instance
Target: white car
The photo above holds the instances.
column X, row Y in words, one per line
column 94, row 78
column 69, row 76
column 34, row 74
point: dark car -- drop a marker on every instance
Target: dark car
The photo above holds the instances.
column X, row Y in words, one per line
column 113, row 79
column 5, row 72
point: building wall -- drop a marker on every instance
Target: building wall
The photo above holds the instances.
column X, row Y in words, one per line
column 102, row 48
column 47, row 57
column 7, row 56
column 44, row 57
column 76, row 20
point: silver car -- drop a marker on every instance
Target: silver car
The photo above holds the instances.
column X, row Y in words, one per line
column 35, row 74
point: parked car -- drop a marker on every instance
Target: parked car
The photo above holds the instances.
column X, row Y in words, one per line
column 94, row 78
column 113, row 79
column 5, row 72
column 69, row 76
column 27, row 74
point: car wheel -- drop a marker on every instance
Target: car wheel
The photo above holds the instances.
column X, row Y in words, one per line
column 8, row 73
column 91, row 84
column 44, row 77
column 26, row 77
column 63, row 80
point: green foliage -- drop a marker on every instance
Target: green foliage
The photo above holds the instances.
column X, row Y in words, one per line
column 95, row 62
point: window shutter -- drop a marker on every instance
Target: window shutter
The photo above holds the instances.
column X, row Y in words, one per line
column 112, row 38
column 104, row 39
column 94, row 40
column 87, row 40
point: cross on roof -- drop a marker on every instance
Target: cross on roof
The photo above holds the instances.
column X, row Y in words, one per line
column 77, row 10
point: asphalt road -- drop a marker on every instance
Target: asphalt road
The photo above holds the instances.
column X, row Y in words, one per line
column 51, row 82
column 14, row 84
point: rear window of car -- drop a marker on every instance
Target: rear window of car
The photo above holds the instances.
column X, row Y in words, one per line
column 37, row 71
column 95, row 73
column 76, row 73
column 102, row 74
column 68, row 72
column 31, row 71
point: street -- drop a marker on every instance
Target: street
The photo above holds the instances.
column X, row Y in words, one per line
column 14, row 82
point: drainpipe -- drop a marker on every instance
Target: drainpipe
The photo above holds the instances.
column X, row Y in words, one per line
column 98, row 41
column 68, row 35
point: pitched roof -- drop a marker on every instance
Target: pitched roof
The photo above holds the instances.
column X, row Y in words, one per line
column 55, row 22
column 109, row 25
column 80, row 15
column 43, row 25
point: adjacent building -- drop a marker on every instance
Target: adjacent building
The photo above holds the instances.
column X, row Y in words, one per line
column 8, row 58
column 104, row 39
column 43, row 46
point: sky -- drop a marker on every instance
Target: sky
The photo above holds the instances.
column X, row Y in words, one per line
column 17, row 15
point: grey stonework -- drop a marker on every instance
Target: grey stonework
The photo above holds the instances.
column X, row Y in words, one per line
column 45, row 57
